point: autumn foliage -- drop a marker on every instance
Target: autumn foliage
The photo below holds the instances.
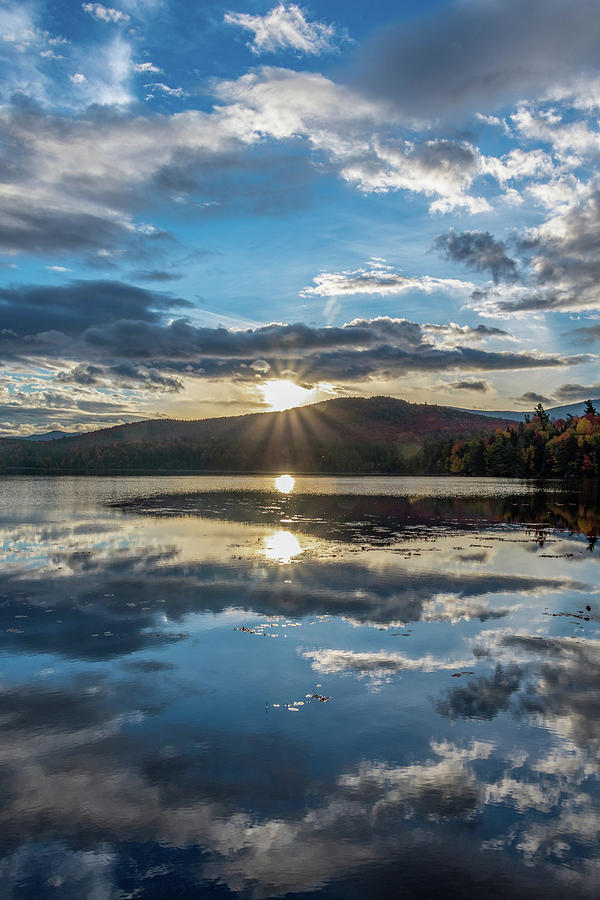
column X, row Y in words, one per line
column 539, row 448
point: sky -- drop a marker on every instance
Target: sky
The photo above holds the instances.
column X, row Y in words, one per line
column 218, row 208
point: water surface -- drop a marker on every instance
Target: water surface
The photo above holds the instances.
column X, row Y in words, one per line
column 359, row 688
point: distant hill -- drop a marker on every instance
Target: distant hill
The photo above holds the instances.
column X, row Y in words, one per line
column 377, row 434
column 50, row 436
column 555, row 412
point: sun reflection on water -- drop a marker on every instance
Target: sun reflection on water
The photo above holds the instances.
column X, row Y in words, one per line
column 282, row 546
column 284, row 484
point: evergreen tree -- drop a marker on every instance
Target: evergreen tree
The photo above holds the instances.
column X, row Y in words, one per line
column 590, row 409
column 542, row 415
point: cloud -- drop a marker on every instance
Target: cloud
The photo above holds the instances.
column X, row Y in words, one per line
column 100, row 167
column 71, row 309
column 352, row 130
column 453, row 335
column 564, row 265
column 380, row 279
column 107, row 74
column 155, row 275
column 518, row 165
column 107, row 322
column 531, row 397
column 477, row 386
column 480, row 56
column 358, row 350
column 162, row 88
column 588, row 334
column 146, row 67
column 105, row 13
column 572, row 393
column 285, row 27
column 442, row 169
column 478, row 250
column 125, row 375
column 566, row 137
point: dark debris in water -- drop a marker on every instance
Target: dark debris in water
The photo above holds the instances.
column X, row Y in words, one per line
column 555, row 555
column 573, row 615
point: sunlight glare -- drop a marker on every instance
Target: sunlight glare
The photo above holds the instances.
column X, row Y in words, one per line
column 281, row 394
column 284, row 484
column 281, row 547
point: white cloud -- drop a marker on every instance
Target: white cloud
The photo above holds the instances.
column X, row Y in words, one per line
column 146, row 67
column 558, row 194
column 267, row 104
column 382, row 280
column 77, row 78
column 108, row 73
column 549, row 127
column 162, row 88
column 285, row 27
column 441, row 168
column 105, row 13
column 17, row 27
column 518, row 164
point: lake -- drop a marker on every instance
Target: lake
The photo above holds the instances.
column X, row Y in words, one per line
column 437, row 641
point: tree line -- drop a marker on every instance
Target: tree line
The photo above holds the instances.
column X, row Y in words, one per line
column 537, row 448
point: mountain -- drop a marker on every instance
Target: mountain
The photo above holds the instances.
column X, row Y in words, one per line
column 556, row 412
column 50, row 436
column 575, row 409
column 378, row 434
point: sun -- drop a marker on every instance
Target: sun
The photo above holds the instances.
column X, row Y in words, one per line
column 282, row 394
column 284, row 484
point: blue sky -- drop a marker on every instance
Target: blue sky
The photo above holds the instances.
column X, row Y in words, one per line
column 199, row 200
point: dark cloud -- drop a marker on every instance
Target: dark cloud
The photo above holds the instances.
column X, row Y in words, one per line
column 531, row 397
column 573, row 392
column 72, row 308
column 564, row 266
column 270, row 181
column 393, row 347
column 123, row 375
column 479, row 56
column 479, row 386
column 155, row 275
column 35, row 229
column 84, row 375
column 588, row 334
column 119, row 332
column 480, row 251
column 76, row 184
column 479, row 332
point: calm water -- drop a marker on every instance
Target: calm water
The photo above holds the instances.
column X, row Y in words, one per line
column 362, row 688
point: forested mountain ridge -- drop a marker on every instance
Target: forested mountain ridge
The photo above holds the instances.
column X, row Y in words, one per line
column 364, row 435
column 344, row 435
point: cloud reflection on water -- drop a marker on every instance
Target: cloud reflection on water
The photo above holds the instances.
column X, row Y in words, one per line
column 124, row 732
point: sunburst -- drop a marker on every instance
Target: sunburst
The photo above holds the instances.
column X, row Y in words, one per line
column 280, row 394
